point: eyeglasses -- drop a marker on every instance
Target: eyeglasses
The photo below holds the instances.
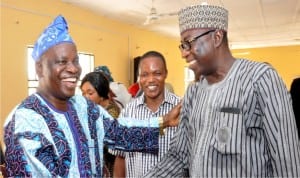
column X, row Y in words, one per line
column 187, row 45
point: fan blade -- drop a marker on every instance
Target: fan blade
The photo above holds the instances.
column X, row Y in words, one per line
column 167, row 14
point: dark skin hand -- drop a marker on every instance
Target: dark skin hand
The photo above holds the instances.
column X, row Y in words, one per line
column 172, row 118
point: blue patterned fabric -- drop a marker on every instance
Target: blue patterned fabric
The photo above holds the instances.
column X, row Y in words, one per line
column 81, row 143
column 93, row 113
column 16, row 163
column 137, row 139
column 55, row 33
column 57, row 165
column 44, row 142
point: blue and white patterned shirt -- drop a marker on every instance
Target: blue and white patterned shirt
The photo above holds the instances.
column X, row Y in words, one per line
column 44, row 142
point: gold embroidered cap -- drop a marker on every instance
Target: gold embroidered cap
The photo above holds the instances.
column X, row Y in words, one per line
column 203, row 16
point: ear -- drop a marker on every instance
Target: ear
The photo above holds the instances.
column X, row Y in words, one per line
column 218, row 37
column 39, row 68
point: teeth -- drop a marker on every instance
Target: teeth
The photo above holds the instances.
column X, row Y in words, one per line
column 151, row 87
column 69, row 80
column 192, row 62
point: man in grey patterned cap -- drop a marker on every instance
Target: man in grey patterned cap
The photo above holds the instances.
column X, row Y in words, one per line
column 237, row 119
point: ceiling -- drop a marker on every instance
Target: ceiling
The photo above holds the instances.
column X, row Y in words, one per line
column 252, row 23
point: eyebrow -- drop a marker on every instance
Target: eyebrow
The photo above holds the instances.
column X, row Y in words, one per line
column 185, row 38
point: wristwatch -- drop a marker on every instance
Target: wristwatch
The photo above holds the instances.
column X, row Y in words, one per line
column 161, row 126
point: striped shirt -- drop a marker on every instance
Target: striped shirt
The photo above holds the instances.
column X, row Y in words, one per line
column 243, row 126
column 137, row 163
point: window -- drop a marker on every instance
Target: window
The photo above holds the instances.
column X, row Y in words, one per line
column 86, row 61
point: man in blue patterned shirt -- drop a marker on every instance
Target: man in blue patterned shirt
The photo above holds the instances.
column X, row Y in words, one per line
column 53, row 133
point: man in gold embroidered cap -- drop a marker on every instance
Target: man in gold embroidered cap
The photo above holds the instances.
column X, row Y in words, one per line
column 54, row 133
column 237, row 119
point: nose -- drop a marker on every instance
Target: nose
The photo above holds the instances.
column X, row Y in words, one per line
column 73, row 67
column 151, row 78
column 86, row 95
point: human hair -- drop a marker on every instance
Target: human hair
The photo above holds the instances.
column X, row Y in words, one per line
column 154, row 54
column 99, row 82
column 105, row 70
column 295, row 95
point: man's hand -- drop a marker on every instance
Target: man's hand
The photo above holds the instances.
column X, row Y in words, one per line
column 172, row 118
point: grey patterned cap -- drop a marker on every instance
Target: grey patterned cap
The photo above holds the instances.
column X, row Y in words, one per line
column 203, row 16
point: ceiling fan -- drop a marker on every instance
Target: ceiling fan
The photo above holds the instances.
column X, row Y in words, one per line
column 153, row 15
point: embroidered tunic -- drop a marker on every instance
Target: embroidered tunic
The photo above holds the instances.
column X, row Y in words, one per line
column 44, row 142
column 243, row 126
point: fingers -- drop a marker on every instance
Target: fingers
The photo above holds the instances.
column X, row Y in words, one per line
column 179, row 104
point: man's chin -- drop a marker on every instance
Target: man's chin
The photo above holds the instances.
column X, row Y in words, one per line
column 69, row 94
column 151, row 95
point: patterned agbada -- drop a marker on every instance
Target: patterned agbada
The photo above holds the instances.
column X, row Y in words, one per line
column 242, row 126
column 109, row 159
column 44, row 142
